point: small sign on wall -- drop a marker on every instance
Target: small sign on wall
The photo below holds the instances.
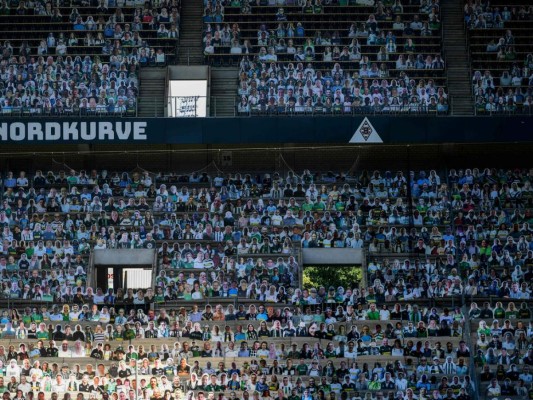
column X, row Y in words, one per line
column 110, row 278
column 226, row 158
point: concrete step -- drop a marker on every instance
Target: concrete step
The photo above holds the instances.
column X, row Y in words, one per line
column 152, row 89
column 192, row 45
column 457, row 106
column 224, row 82
column 457, row 57
column 191, row 49
column 191, row 52
column 191, row 62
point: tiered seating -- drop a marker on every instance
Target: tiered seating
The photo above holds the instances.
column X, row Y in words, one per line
column 330, row 58
column 207, row 361
column 503, row 356
column 81, row 58
column 501, row 52
column 472, row 252
column 228, row 251
column 478, row 257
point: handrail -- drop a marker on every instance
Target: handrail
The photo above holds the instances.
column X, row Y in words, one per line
column 196, row 107
column 524, row 110
column 473, row 376
column 219, row 106
column 302, row 110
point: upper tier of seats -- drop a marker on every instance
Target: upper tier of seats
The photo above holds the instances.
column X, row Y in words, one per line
column 332, row 57
column 81, row 58
column 500, row 40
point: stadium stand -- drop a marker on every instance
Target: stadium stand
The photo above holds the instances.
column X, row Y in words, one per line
column 336, row 57
column 81, row 57
column 501, row 52
column 227, row 318
column 443, row 306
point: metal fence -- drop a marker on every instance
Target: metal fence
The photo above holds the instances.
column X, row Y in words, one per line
column 226, row 106
column 505, row 111
column 41, row 111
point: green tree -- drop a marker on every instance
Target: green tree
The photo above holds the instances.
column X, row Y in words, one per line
column 331, row 275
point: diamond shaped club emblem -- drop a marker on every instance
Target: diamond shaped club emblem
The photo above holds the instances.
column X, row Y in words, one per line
column 366, row 133
column 366, row 130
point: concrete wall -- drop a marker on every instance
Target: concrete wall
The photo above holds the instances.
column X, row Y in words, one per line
column 188, row 158
column 332, row 256
column 140, row 257
column 185, row 72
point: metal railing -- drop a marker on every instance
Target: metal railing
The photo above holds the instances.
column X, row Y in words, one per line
column 217, row 106
column 517, row 110
column 40, row 111
column 224, row 106
column 339, row 110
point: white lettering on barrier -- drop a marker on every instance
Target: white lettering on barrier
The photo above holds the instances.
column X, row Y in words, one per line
column 17, row 132
column 139, row 129
column 52, row 131
column 70, row 129
column 105, row 129
column 35, row 131
column 73, row 131
column 88, row 132
column 4, row 132
column 123, row 134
